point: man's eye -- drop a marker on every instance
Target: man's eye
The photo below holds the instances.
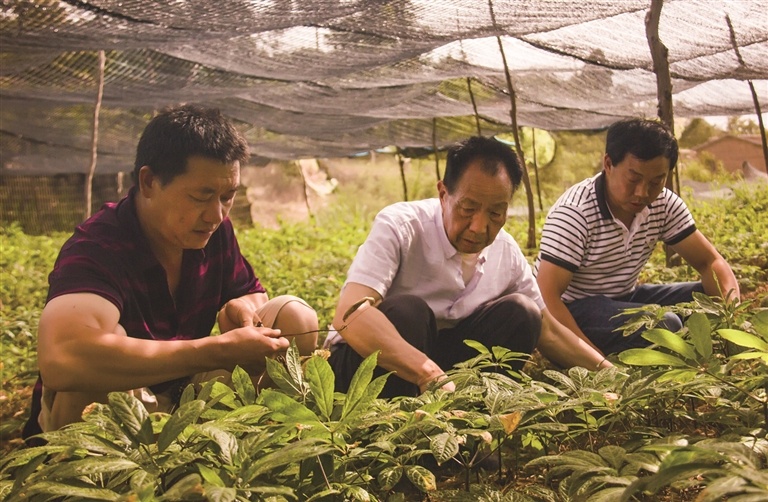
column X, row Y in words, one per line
column 197, row 199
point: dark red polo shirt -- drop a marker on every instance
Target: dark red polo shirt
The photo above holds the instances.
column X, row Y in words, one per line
column 108, row 255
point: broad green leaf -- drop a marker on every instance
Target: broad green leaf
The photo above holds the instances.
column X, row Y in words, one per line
column 751, row 355
column 370, row 393
column 293, row 365
column 701, row 333
column 482, row 349
column 287, row 409
column 743, row 339
column 678, row 376
column 359, row 383
column 65, row 490
column 210, row 476
column 321, row 381
column 389, row 477
column 30, row 455
column 186, row 414
column 21, row 476
column 281, row 377
column 224, row 394
column 611, row 494
column 358, row 493
column 90, row 466
column 292, row 453
column 142, row 481
column 243, row 385
column 187, row 395
column 444, row 447
column 327, row 494
column 648, row 357
column 226, row 442
column 671, row 341
column 132, row 416
column 614, row 455
column 421, row 477
column 220, row 493
column 205, row 390
column 187, row 488
column 760, row 323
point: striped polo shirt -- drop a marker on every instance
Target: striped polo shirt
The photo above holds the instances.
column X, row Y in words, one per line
column 581, row 235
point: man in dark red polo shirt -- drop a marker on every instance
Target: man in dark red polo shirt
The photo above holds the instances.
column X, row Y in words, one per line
column 136, row 290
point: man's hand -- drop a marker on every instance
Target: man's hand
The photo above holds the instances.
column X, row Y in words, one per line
column 249, row 346
column 238, row 313
column 427, row 383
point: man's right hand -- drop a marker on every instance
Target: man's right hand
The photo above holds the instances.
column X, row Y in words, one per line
column 249, row 346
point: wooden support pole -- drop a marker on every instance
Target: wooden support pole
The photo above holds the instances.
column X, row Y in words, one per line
column 95, row 136
column 536, row 167
column 401, row 162
column 474, row 105
column 660, row 58
column 434, row 147
column 304, row 186
column 531, row 244
column 751, row 89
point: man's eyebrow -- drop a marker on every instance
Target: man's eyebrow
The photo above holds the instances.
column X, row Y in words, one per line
column 636, row 173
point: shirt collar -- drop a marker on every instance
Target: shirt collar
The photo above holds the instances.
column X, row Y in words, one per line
column 602, row 201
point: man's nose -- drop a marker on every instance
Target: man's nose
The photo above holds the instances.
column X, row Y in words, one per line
column 642, row 190
column 479, row 223
column 215, row 212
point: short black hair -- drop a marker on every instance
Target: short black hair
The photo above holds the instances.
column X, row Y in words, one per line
column 177, row 133
column 643, row 138
column 491, row 151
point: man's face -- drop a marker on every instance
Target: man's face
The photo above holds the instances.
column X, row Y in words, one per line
column 184, row 213
column 475, row 212
column 633, row 184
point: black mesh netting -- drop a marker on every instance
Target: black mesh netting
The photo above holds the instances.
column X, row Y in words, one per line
column 324, row 78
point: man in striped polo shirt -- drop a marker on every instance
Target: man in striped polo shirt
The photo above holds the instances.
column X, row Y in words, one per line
column 136, row 290
column 600, row 233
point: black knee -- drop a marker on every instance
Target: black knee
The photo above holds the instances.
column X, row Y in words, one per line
column 412, row 318
column 525, row 317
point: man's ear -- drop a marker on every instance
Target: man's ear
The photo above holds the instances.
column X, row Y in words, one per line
column 442, row 191
column 147, row 181
column 607, row 164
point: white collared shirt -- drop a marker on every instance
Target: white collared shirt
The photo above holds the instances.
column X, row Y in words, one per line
column 408, row 252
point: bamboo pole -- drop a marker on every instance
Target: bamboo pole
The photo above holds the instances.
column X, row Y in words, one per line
column 474, row 105
column 95, row 136
column 751, row 89
column 531, row 244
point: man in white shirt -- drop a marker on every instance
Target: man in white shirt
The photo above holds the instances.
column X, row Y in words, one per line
column 440, row 271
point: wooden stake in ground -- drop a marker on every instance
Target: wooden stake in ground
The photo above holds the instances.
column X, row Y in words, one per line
column 751, row 89
column 434, row 147
column 401, row 162
column 660, row 57
column 531, row 244
column 95, row 137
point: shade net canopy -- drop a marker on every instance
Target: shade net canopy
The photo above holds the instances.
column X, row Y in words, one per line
column 324, row 78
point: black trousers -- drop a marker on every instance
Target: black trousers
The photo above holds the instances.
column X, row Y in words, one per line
column 512, row 321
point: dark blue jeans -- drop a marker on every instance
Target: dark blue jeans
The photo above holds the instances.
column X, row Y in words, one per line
column 595, row 315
